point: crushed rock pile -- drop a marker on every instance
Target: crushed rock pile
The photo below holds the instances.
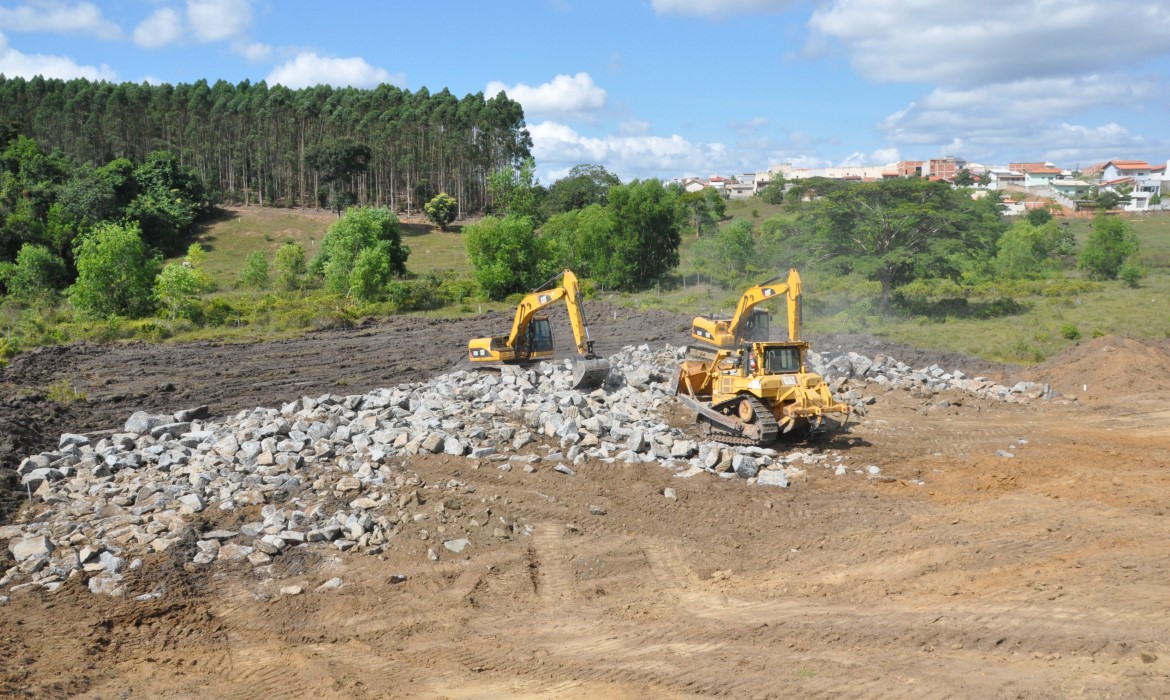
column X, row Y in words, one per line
column 334, row 471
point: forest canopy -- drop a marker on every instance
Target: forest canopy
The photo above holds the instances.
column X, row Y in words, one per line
column 248, row 141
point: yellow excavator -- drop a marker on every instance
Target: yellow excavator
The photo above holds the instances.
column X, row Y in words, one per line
column 750, row 324
column 751, row 393
column 531, row 337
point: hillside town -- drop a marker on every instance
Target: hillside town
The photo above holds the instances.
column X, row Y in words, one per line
column 1138, row 185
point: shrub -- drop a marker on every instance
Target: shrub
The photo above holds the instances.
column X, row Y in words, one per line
column 1070, row 332
column 1131, row 274
column 255, row 272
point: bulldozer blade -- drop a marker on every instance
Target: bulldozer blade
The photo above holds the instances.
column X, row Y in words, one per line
column 590, row 374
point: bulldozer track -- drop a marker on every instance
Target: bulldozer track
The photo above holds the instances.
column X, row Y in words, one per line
column 769, row 428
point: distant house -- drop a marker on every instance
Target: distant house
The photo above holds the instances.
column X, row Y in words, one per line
column 693, row 184
column 1003, row 178
column 1146, row 178
column 1070, row 193
column 944, row 168
column 1040, row 177
column 740, row 190
column 909, row 168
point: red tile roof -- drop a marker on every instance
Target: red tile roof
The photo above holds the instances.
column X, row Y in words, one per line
column 1129, row 165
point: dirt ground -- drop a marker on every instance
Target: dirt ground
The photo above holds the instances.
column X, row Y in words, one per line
column 954, row 573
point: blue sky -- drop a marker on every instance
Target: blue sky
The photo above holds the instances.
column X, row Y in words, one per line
column 674, row 88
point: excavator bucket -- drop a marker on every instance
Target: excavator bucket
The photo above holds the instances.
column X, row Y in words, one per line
column 589, row 374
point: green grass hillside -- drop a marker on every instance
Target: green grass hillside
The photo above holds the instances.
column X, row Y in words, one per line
column 1049, row 316
column 239, row 231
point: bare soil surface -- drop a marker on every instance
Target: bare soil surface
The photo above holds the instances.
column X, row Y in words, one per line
column 954, row 572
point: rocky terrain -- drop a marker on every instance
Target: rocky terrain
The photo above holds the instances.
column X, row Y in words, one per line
column 977, row 530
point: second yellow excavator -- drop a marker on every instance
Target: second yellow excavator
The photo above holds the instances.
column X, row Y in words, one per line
column 531, row 336
column 750, row 324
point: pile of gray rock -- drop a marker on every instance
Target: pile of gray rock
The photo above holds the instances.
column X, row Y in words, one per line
column 887, row 371
column 335, row 471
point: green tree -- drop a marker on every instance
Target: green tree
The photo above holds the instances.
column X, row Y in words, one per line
column 358, row 230
column 255, row 272
column 517, row 192
column 337, row 162
column 371, row 273
column 508, row 256
column 1039, row 216
column 99, row 194
column 735, row 247
column 115, row 272
column 37, row 275
column 964, row 178
column 290, row 266
column 585, row 184
column 773, row 192
column 176, row 291
column 1026, row 250
column 170, row 199
column 645, row 244
column 700, row 217
column 179, row 286
column 580, row 238
column 717, row 203
column 441, row 210
column 1111, row 243
column 894, row 231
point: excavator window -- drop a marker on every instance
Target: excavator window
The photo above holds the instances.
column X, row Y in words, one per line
column 780, row 360
column 756, row 328
column 540, row 335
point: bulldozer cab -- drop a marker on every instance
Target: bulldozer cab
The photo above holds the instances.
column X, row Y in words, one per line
column 782, row 360
column 539, row 337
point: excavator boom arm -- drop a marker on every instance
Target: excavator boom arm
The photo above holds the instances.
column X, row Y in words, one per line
column 528, row 308
column 573, row 304
column 764, row 291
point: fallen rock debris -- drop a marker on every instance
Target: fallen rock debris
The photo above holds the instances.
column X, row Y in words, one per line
column 334, row 471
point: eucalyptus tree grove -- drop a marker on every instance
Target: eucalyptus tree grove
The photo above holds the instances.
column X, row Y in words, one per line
column 249, row 141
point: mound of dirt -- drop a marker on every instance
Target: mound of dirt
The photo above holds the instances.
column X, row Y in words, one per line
column 1106, row 369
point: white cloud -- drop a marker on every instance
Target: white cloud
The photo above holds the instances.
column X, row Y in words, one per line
column 1029, row 118
column 216, row 20
column 309, row 69
column 59, row 18
column 966, row 44
column 204, row 22
column 254, row 51
column 13, row 63
column 721, row 8
column 881, row 156
column 557, row 147
column 1012, row 113
column 750, row 127
column 563, row 94
column 163, row 27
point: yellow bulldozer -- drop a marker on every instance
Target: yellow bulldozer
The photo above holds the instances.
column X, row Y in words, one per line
column 751, row 393
column 531, row 337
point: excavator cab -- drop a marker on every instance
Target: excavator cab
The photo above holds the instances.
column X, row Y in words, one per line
column 757, row 327
column 539, row 337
